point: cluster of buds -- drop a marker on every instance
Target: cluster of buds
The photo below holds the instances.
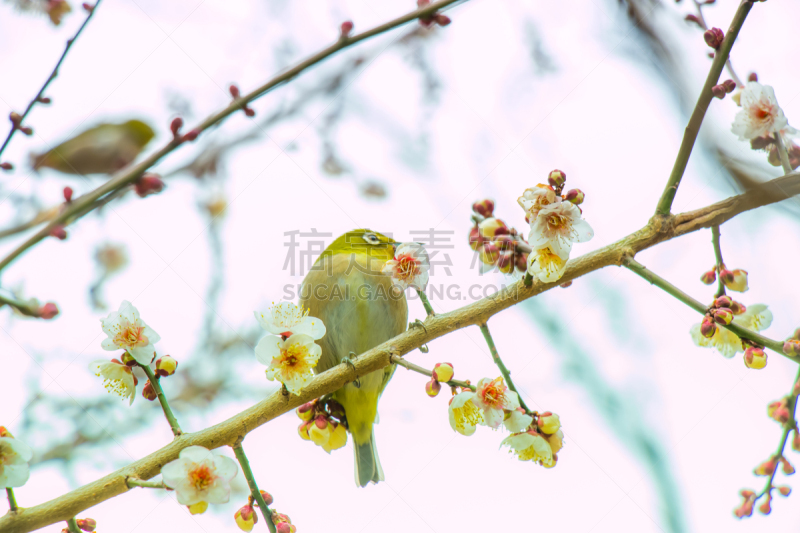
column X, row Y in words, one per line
column 234, row 90
column 540, row 443
column 722, row 311
column 442, row 373
column 496, row 243
column 283, row 524
column 84, row 524
column 735, row 280
column 246, row 517
column 175, row 127
column 714, row 38
column 16, row 123
column 148, row 184
column 791, row 346
column 323, row 424
column 768, row 143
column 165, row 366
column 432, row 18
column 726, row 87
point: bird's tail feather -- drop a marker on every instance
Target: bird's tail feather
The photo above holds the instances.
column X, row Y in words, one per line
column 368, row 465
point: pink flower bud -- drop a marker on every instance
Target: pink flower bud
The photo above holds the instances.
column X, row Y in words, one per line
column 765, row 508
column 441, row 20
column 779, row 411
column 723, row 316
column 175, row 126
column 44, row 100
column 87, row 7
column 693, row 19
column 549, row 423
column 766, row 468
column 192, row 135
column 267, row 497
column 556, row 178
column 321, row 422
column 736, row 280
column 489, row 253
column 708, row 327
column 485, row 208
column 6, row 166
column 719, row 91
column 722, row 301
column 755, row 358
column 305, row 411
column 283, row 527
column 58, row 232
column 714, row 37
column 246, row 518
column 784, row 490
column 302, row 430
column 475, row 239
column 166, row 366
column 796, row 442
column 737, row 308
column 730, row 85
column 68, row 194
column 48, row 311
column 575, row 196
column 234, row 90
column 346, row 28
column 791, row 347
column 788, row 469
column 249, row 111
column 505, row 262
column 443, row 372
column 432, row 388
column 522, row 262
column 148, row 392
column 148, row 184
column 87, row 524
column 709, row 277
column 26, row 130
column 752, row 77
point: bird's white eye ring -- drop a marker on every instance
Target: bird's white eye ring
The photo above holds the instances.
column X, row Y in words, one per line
column 371, row 238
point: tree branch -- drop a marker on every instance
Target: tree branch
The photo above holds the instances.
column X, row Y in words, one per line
column 658, row 230
column 703, row 101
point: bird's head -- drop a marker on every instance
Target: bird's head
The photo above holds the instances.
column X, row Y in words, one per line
column 139, row 132
column 363, row 241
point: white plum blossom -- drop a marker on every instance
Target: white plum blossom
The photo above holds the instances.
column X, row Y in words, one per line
column 545, row 265
column 535, row 198
column 494, row 398
column 760, row 114
column 557, row 226
column 530, row 446
column 756, row 318
column 289, row 361
column 127, row 331
column 197, row 476
column 517, row 421
column 14, row 457
column 117, row 378
column 410, row 266
column 464, row 414
column 288, row 319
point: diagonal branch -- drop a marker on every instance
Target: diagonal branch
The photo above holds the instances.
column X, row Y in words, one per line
column 658, row 230
column 84, row 204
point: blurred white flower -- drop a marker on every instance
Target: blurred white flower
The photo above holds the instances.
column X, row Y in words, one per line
column 410, row 266
column 545, row 265
column 535, row 198
column 464, row 414
column 517, row 421
column 530, row 446
column 756, row 318
column 200, row 476
column 558, row 226
column 494, row 398
column 14, row 457
column 288, row 319
column 117, row 378
column 289, row 361
column 127, row 331
column 760, row 114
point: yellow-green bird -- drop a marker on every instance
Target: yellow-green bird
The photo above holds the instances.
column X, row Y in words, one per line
column 103, row 149
column 360, row 310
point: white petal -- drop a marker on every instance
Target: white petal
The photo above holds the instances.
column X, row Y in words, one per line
column 268, row 348
column 109, row 345
column 518, row 422
column 583, row 230
column 128, row 311
column 175, row 471
column 152, row 336
column 313, row 327
column 493, row 417
column 22, row 450
column 420, row 282
column 225, row 467
column 219, row 492
column 196, row 454
column 15, row 475
column 144, row 355
column 512, row 400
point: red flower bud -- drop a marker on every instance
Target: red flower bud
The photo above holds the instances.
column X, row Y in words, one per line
column 234, row 90
column 267, row 497
column 765, row 508
column 791, row 347
column 784, row 490
column 345, row 29
column 441, row 20
column 475, row 239
column 48, row 311
column 148, row 392
column 722, row 301
column 556, row 178
column 737, row 307
column 714, row 37
column 723, row 316
column 148, row 184
column 485, row 208
column 26, row 130
column 575, row 196
column 719, row 91
column 432, row 387
column 166, row 366
column 6, row 166
column 755, row 357
column 15, row 118
column 87, row 524
column 521, row 262
column 505, row 262
column 68, row 194
column 709, row 277
column 250, row 112
column 43, row 100
column 788, row 469
column 729, row 85
column 58, row 232
column 175, row 126
column 693, row 19
column 752, row 77
column 192, row 135
column 708, row 327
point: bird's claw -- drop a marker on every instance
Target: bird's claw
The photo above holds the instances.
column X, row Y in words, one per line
column 349, row 363
column 419, row 324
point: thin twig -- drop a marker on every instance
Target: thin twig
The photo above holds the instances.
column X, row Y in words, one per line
column 12, row 501
column 425, row 303
column 790, row 426
column 72, row 526
column 499, row 362
column 82, row 205
column 251, row 482
column 784, row 156
column 720, row 263
column 728, row 64
column 173, row 422
column 23, row 307
column 53, row 75
column 703, row 101
column 425, row 372
column 743, row 333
